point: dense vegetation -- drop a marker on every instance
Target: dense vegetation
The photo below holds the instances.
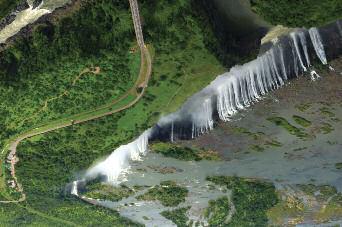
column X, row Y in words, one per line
column 167, row 193
column 182, row 66
column 70, row 213
column 49, row 75
column 217, row 211
column 100, row 34
column 305, row 131
column 338, row 165
column 6, row 7
column 183, row 153
column 98, row 190
column 252, row 199
column 177, row 216
column 293, row 13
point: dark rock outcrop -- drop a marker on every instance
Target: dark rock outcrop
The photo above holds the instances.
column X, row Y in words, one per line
column 36, row 3
column 237, row 28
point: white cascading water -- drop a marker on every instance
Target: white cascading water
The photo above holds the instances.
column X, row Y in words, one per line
column 295, row 36
column 246, row 84
column 232, row 91
column 203, row 122
column 22, row 19
column 74, row 190
column 118, row 161
column 318, row 45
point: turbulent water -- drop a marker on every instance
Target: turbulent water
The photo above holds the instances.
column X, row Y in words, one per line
column 235, row 90
column 29, row 16
column 118, row 161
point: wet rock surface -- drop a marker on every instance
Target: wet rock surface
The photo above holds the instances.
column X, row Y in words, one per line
column 36, row 3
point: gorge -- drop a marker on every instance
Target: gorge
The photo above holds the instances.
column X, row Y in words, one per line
column 288, row 57
column 216, row 117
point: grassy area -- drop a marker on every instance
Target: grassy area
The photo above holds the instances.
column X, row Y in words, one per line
column 326, row 128
column 293, row 207
column 301, row 121
column 49, row 162
column 282, row 122
column 167, row 193
column 71, row 213
column 332, row 211
column 303, row 107
column 259, row 140
column 289, row 207
column 327, row 112
column 177, row 216
column 252, row 200
column 217, row 211
column 44, row 77
column 338, row 165
column 324, row 191
column 292, row 13
column 98, row 190
column 6, row 7
column 183, row 153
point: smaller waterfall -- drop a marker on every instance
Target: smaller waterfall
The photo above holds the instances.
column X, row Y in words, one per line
column 22, row 19
column 118, row 161
column 204, row 122
column 295, row 37
column 318, row 45
column 74, row 189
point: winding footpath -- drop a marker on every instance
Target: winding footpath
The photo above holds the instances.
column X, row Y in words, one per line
column 141, row 83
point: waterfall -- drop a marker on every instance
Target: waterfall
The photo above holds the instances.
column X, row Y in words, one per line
column 118, row 161
column 74, row 189
column 294, row 37
column 318, row 45
column 230, row 92
column 204, row 122
column 244, row 85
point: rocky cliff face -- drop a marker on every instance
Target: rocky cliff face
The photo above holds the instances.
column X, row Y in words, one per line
column 10, row 17
column 237, row 28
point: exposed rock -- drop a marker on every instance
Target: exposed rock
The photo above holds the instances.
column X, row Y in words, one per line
column 37, row 3
column 7, row 20
column 275, row 32
column 10, row 17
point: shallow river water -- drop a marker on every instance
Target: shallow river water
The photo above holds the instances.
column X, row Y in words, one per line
column 294, row 161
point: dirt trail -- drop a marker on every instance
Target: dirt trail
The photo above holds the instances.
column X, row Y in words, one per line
column 95, row 71
column 141, row 82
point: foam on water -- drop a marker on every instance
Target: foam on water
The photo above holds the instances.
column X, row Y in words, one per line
column 118, row 161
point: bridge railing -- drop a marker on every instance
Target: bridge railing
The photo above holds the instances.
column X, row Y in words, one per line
column 137, row 22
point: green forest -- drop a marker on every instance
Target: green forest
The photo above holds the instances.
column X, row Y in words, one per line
column 6, row 7
column 303, row 13
column 100, row 33
column 182, row 65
